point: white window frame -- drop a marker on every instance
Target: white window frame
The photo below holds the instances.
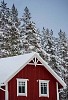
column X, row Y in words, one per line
column 47, row 82
column 22, row 80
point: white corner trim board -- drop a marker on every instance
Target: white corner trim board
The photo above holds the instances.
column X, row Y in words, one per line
column 57, row 91
column 6, row 92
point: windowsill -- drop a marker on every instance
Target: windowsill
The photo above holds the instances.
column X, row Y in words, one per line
column 44, row 96
column 22, row 95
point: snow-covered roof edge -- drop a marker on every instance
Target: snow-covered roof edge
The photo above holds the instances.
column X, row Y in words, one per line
column 51, row 71
column 20, row 66
column 45, row 65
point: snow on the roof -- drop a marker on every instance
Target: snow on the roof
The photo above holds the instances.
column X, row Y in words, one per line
column 9, row 65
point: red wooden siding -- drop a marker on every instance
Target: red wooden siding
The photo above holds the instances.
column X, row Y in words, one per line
column 33, row 74
column 2, row 94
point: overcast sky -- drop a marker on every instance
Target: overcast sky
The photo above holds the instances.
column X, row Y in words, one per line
column 52, row 14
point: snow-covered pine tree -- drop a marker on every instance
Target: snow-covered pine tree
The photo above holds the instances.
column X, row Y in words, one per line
column 48, row 43
column 1, row 43
column 10, row 35
column 29, row 32
column 14, row 32
column 4, row 16
column 14, row 16
column 63, row 54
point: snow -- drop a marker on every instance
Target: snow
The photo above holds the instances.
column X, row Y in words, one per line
column 1, row 32
column 9, row 65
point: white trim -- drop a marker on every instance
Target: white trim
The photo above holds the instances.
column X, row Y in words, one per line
column 45, row 64
column 6, row 92
column 47, row 82
column 34, row 64
column 22, row 80
column 57, row 91
column 2, row 89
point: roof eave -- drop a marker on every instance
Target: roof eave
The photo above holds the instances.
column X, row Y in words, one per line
column 52, row 72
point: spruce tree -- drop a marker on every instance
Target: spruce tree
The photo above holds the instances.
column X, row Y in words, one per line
column 48, row 43
column 14, row 32
column 29, row 32
column 63, row 54
column 10, row 34
column 4, row 16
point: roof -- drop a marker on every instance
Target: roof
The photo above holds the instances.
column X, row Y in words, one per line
column 10, row 66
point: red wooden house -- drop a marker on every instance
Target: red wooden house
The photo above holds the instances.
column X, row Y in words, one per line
column 28, row 77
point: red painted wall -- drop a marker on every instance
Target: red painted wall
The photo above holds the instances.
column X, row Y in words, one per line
column 33, row 74
column 2, row 94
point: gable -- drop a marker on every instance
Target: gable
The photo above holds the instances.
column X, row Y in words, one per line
column 33, row 75
column 12, row 65
column 35, row 61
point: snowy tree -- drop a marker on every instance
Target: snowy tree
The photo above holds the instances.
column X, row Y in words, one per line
column 4, row 15
column 29, row 32
column 49, row 44
column 14, row 32
column 47, row 40
column 14, row 16
column 63, row 54
column 63, row 49
column 10, row 35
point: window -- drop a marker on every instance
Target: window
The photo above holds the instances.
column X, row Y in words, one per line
column 44, row 88
column 22, row 87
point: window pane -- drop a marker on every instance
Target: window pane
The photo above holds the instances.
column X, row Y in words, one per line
column 45, row 90
column 23, row 89
column 19, row 89
column 42, row 90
